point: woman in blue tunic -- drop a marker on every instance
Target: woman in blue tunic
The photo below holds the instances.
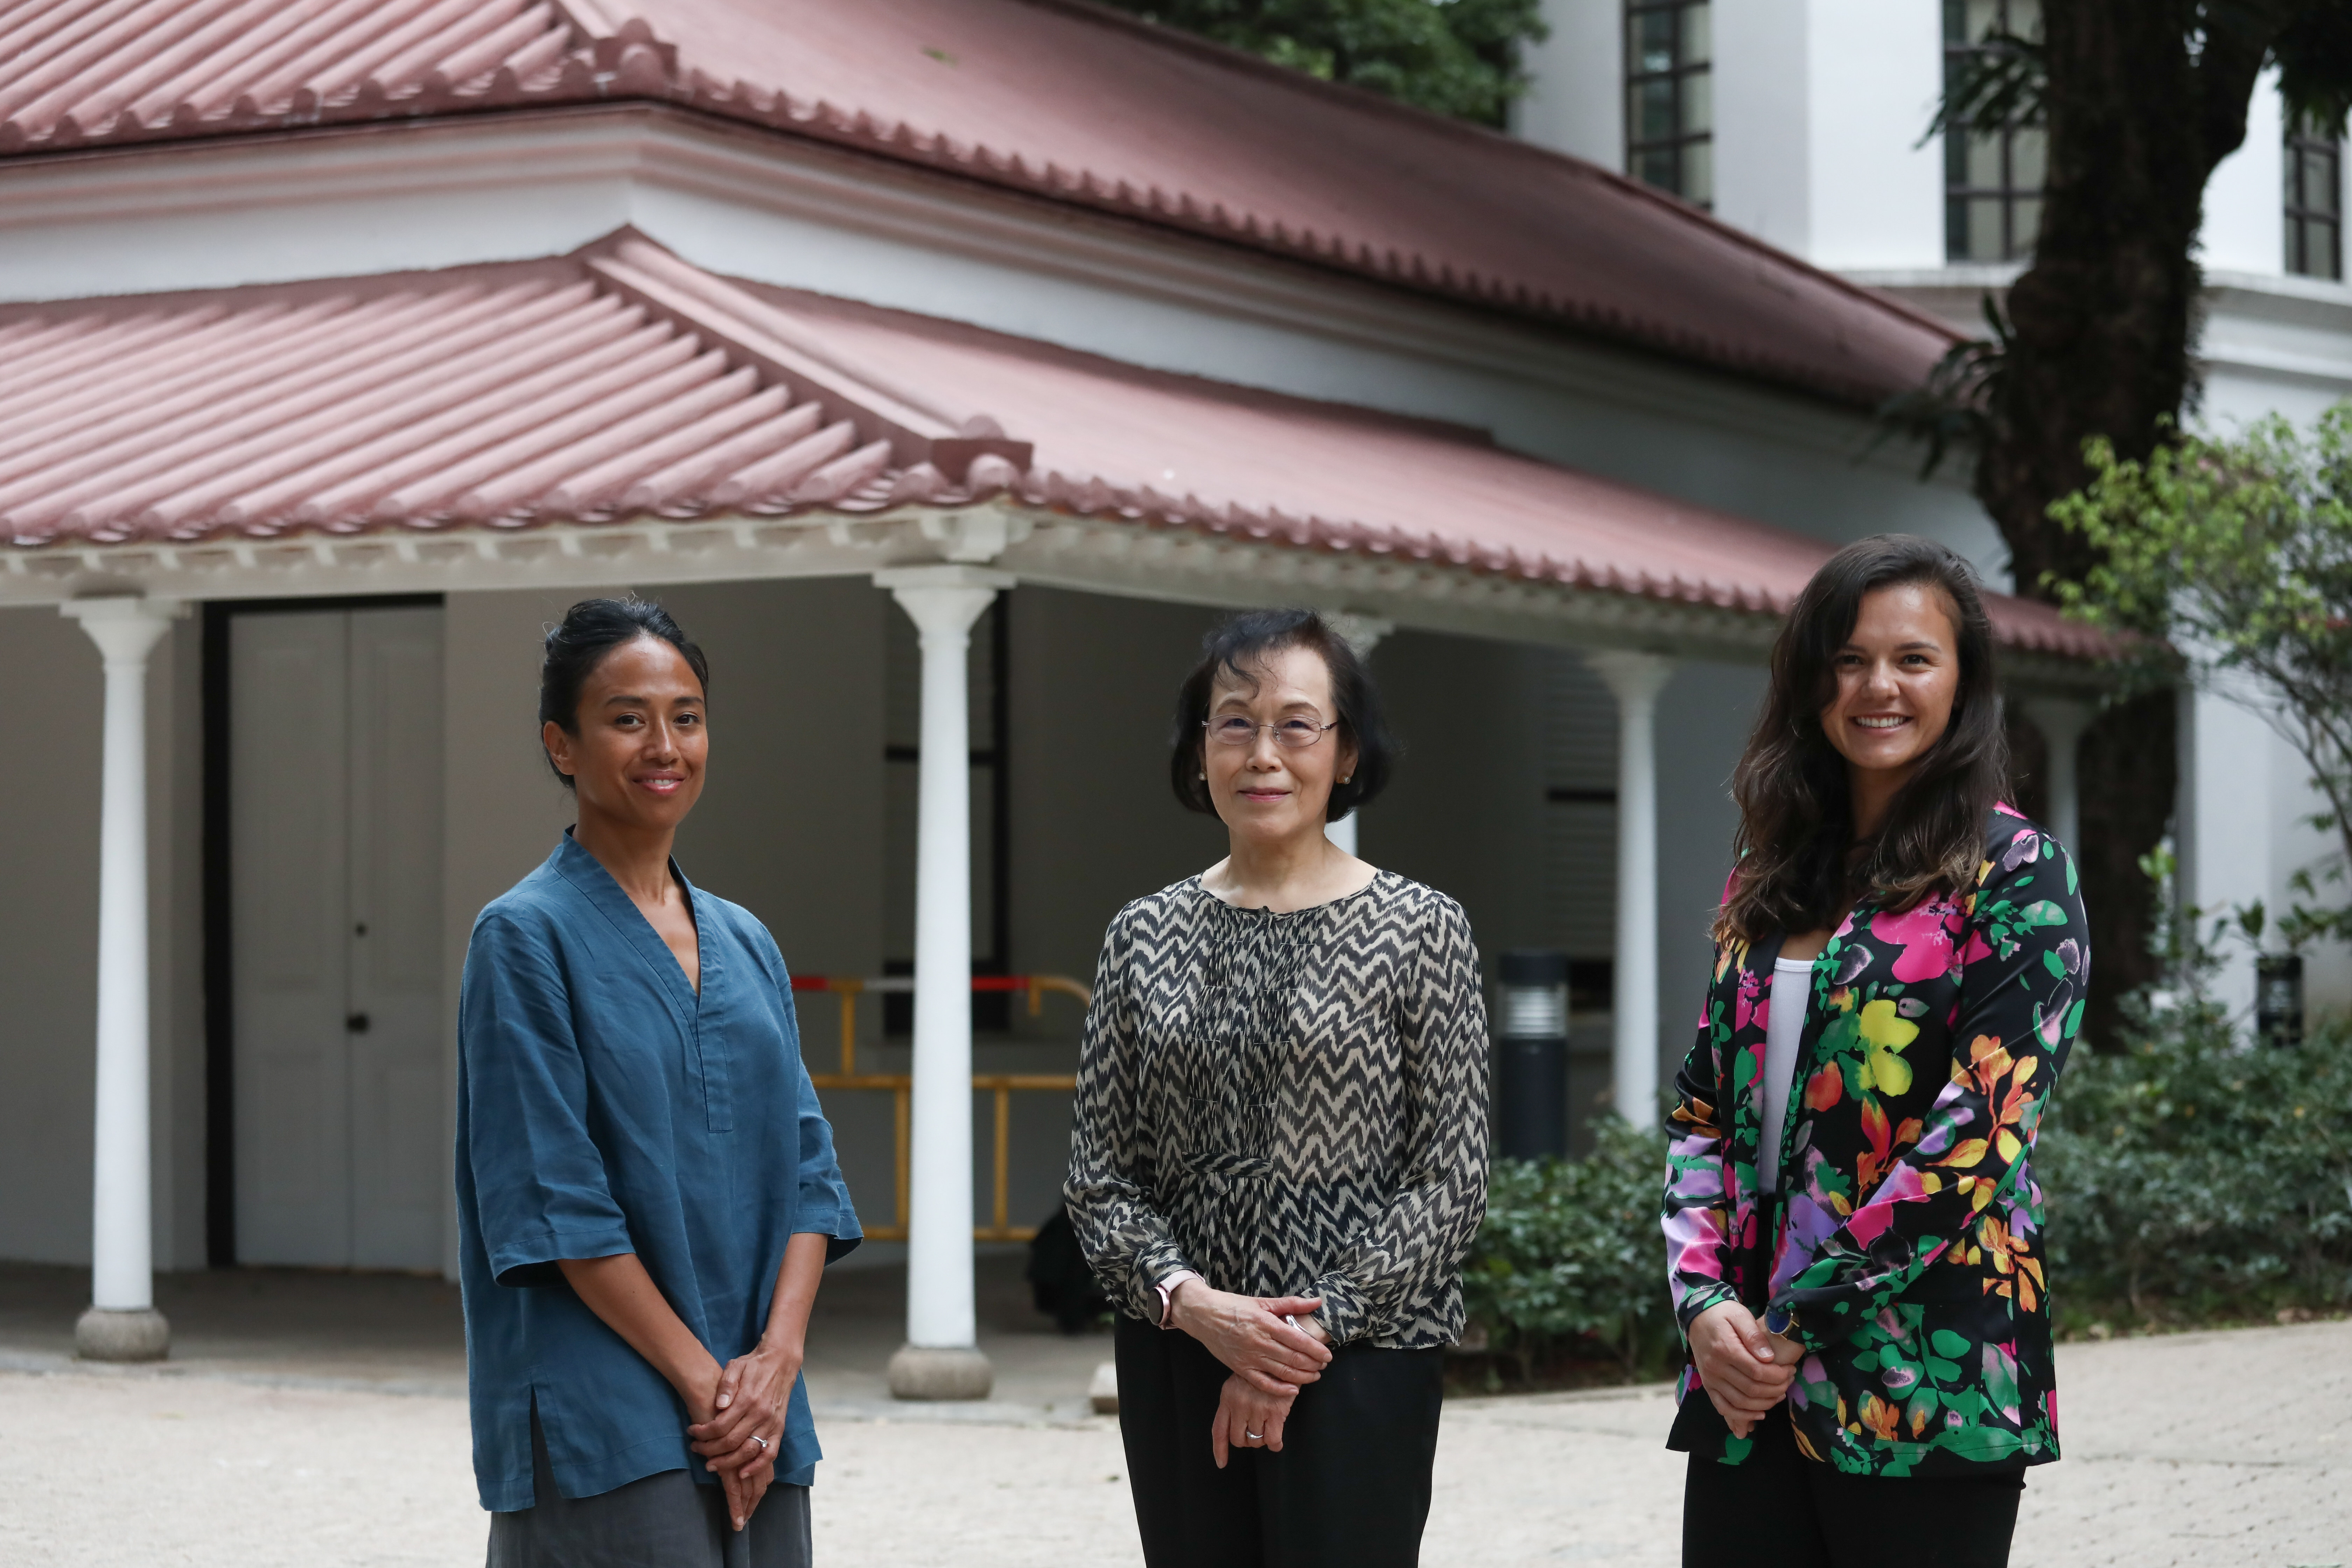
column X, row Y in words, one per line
column 647, row 1189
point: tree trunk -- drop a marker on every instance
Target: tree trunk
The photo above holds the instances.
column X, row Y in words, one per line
column 2104, row 320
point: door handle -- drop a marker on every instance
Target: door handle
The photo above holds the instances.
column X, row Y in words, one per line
column 357, row 1023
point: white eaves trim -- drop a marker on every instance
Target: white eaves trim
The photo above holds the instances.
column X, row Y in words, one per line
column 1050, row 549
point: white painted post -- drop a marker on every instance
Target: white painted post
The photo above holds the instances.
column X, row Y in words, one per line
column 2062, row 724
column 942, row 1358
column 121, row 1323
column 1636, row 679
column 1363, row 634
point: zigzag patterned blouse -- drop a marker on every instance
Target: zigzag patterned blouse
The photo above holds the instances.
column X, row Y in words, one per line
column 1288, row 1104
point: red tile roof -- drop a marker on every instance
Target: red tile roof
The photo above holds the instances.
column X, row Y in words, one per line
column 621, row 383
column 1054, row 98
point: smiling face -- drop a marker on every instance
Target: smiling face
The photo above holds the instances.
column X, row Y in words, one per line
column 1896, row 676
column 638, row 758
column 1264, row 791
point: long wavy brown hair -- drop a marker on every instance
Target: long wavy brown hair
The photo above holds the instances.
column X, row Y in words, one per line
column 1799, row 867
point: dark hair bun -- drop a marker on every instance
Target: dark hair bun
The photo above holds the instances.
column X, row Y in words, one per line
column 589, row 631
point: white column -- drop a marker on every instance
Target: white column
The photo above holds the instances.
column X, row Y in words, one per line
column 2062, row 724
column 942, row 1359
column 1363, row 634
column 122, row 1323
column 1635, row 678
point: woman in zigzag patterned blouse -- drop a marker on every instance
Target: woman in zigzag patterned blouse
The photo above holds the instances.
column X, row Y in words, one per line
column 1853, row 1230
column 1280, row 1154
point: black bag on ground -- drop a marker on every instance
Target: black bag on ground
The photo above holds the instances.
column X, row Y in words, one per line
column 1064, row 1288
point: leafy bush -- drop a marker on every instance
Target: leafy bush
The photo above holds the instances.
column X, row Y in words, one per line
column 2189, row 1177
column 1571, row 1257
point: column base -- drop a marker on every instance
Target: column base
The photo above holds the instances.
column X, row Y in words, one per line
column 917, row 1373
column 104, row 1333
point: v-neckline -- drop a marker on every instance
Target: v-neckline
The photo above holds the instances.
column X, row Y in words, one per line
column 614, row 902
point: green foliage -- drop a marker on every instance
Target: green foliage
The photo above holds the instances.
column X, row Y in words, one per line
column 2234, row 559
column 1571, row 1256
column 1455, row 56
column 2191, row 1177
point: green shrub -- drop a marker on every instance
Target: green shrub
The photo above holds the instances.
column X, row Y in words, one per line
column 2189, row 1177
column 1571, row 1259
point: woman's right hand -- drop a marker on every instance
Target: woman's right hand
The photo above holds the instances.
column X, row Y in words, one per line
column 1247, row 1333
column 1737, row 1367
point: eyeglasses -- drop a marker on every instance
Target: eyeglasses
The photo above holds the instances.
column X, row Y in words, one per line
column 1291, row 734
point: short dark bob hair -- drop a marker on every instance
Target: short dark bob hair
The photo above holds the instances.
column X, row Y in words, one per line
column 1242, row 646
column 1796, row 810
column 577, row 643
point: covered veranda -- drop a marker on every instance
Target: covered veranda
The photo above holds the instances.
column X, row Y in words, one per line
column 619, row 416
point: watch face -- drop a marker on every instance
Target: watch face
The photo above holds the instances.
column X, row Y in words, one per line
column 1776, row 1322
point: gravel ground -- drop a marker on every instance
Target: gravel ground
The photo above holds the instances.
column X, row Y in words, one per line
column 2210, row 1449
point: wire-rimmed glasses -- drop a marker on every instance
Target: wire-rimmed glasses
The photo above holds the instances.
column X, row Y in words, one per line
column 1292, row 734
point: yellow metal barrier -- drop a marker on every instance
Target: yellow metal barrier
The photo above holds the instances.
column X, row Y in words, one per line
column 900, row 1085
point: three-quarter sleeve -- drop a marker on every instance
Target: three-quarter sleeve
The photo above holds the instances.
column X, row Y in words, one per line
column 539, row 1180
column 1126, row 1240
column 2024, row 973
column 1409, row 1255
column 825, row 1206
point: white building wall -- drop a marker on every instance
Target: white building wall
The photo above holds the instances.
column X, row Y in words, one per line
column 1875, row 73
column 1764, row 120
column 1575, row 101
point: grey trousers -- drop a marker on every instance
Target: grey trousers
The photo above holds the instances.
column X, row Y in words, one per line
column 656, row 1522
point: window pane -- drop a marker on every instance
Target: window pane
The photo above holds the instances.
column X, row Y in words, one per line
column 1978, row 18
column 1698, row 103
column 1658, row 167
column 2029, row 158
column 1985, row 240
column 1983, row 168
column 2296, row 264
column 2026, row 228
column 1955, row 229
column 1698, row 46
column 2025, row 18
column 1699, row 173
column 1654, row 41
column 2319, row 180
column 1654, row 111
column 2330, row 246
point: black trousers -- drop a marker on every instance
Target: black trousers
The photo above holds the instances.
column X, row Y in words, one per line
column 1781, row 1509
column 1350, row 1487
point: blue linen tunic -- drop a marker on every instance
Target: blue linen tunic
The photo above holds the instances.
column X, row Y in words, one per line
column 604, row 1108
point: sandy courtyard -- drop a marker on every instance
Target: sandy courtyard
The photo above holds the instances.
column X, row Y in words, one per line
column 2211, row 1449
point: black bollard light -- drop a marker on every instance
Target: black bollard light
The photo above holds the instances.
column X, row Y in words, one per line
column 1531, row 1056
column 2278, row 999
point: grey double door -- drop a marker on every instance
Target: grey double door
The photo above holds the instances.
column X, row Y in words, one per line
column 335, row 787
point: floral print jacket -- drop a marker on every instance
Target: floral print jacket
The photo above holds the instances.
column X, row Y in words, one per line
column 1906, row 1243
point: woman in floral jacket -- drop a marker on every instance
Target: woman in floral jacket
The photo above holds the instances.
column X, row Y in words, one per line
column 1853, row 1225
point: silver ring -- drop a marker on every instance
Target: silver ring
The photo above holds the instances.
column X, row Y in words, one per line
column 761, row 1441
column 1255, row 1436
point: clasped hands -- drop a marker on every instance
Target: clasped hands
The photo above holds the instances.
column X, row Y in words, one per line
column 1270, row 1360
column 738, row 1423
column 1744, row 1370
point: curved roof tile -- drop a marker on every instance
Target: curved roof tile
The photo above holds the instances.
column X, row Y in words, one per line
column 1055, row 98
column 623, row 383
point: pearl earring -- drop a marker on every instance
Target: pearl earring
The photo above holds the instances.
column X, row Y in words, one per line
column 1345, row 777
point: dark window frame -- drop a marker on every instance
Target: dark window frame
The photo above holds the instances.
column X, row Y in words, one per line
column 2306, row 220
column 1960, row 196
column 1675, row 148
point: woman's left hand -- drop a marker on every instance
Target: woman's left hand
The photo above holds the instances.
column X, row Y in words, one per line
column 741, row 1437
column 1248, row 1418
